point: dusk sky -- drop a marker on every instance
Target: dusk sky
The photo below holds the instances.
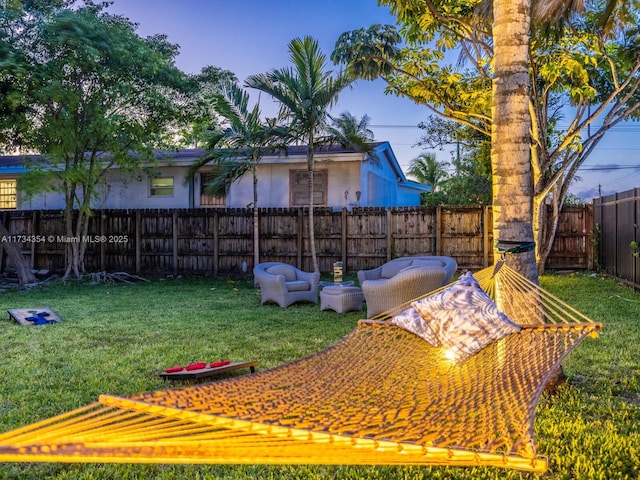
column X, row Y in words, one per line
column 251, row 36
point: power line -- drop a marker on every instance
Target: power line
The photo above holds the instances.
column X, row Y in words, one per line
column 609, row 167
column 394, row 126
column 629, row 128
column 621, row 184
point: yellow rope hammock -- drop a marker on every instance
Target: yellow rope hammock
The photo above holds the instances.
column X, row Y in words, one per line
column 381, row 395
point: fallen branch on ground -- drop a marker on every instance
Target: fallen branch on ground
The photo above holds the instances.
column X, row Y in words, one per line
column 115, row 277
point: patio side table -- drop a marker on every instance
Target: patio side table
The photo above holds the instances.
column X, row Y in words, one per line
column 341, row 298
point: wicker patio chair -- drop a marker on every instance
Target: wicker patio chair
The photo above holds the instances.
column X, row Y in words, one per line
column 285, row 284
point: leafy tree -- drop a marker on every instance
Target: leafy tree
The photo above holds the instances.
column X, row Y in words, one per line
column 199, row 112
column 470, row 182
column 93, row 87
column 306, row 91
column 238, row 148
column 583, row 66
column 14, row 70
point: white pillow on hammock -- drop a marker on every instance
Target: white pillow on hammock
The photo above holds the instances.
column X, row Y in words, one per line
column 411, row 320
column 463, row 318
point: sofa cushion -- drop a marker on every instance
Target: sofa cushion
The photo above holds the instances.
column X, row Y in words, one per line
column 428, row 263
column 286, row 271
column 297, row 286
column 411, row 320
column 464, row 318
column 391, row 269
column 339, row 290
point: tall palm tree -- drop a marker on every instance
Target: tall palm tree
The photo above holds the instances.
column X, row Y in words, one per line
column 510, row 132
column 238, row 148
column 428, row 171
column 306, row 91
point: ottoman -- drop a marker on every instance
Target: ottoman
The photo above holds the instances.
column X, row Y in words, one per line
column 341, row 298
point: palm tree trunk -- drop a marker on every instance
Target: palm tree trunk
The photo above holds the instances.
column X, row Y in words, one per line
column 510, row 132
column 312, row 229
column 256, row 220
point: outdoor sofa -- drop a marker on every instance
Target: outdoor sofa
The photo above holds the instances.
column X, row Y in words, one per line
column 392, row 285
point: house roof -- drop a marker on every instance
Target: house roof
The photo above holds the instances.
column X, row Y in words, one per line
column 12, row 164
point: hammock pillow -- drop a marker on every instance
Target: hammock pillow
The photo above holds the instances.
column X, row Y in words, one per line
column 464, row 319
column 411, row 321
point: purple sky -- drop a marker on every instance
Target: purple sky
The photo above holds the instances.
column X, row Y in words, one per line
column 251, row 36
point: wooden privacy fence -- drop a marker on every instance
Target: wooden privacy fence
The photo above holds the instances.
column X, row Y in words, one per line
column 616, row 219
column 220, row 241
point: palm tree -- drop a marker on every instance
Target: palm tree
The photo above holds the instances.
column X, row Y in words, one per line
column 351, row 128
column 305, row 92
column 510, row 130
column 238, row 148
column 428, row 171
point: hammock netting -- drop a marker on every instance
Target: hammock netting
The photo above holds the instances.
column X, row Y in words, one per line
column 380, row 396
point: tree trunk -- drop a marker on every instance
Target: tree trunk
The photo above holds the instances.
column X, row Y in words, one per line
column 23, row 270
column 72, row 242
column 312, row 229
column 545, row 231
column 510, row 132
column 256, row 225
column 83, row 229
column 256, row 221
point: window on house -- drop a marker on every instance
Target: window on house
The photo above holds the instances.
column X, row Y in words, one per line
column 206, row 199
column 8, row 198
column 299, row 187
column 161, row 187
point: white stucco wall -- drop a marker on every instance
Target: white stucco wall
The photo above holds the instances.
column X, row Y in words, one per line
column 274, row 182
column 127, row 192
column 123, row 191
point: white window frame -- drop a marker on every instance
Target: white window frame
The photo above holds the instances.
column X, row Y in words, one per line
column 154, row 188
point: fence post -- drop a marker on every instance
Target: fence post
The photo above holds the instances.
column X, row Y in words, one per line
column 389, row 234
column 588, row 211
column 485, row 236
column 438, row 230
column 300, row 237
column 615, row 250
column 103, row 253
column 636, row 281
column 138, row 245
column 174, row 221
column 343, row 239
column 4, row 223
column 216, row 242
column 34, row 230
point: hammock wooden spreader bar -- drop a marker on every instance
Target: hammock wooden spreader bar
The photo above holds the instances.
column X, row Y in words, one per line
column 380, row 396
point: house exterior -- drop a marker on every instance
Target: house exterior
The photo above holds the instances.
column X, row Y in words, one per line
column 344, row 179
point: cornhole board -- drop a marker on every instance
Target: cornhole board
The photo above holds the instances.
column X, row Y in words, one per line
column 21, row 314
column 208, row 371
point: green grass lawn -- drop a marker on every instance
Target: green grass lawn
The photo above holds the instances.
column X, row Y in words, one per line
column 114, row 339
